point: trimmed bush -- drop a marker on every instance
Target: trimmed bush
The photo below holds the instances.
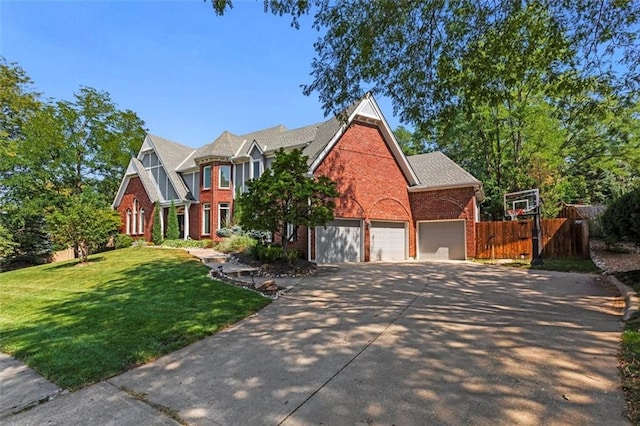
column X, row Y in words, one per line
column 274, row 253
column 236, row 244
column 224, row 232
column 173, row 231
column 156, row 230
column 621, row 220
column 123, row 241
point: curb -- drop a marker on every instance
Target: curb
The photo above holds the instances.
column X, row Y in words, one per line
column 631, row 303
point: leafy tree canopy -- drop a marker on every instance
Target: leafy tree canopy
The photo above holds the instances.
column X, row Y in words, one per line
column 52, row 150
column 84, row 222
column 522, row 94
column 285, row 198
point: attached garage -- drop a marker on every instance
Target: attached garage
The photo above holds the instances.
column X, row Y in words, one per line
column 442, row 239
column 339, row 241
column 388, row 241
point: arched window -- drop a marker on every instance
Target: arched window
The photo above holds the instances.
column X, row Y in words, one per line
column 141, row 222
column 134, row 226
column 128, row 222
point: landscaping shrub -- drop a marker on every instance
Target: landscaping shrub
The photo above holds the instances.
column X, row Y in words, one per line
column 228, row 232
column 236, row 244
column 173, row 231
column 621, row 220
column 123, row 241
column 224, row 232
column 156, row 230
column 258, row 235
column 273, row 253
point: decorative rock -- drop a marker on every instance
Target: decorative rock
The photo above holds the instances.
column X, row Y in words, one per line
column 265, row 285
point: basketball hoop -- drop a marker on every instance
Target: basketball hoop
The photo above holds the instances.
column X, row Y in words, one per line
column 514, row 213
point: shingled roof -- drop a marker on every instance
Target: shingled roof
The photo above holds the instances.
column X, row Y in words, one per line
column 172, row 155
column 435, row 170
column 424, row 172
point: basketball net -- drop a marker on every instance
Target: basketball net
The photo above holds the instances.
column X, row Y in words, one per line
column 514, row 213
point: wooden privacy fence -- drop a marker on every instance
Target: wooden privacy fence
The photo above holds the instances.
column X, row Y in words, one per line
column 561, row 238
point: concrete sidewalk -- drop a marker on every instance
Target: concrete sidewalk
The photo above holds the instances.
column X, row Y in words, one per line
column 385, row 344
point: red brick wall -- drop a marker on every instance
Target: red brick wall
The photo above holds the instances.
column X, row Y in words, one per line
column 369, row 179
column 214, row 196
column 195, row 218
column 135, row 190
column 458, row 203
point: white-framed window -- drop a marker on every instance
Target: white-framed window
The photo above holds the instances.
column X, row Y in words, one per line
column 224, row 215
column 224, row 180
column 206, row 177
column 141, row 221
column 206, row 219
column 256, row 170
column 290, row 232
column 128, row 222
column 134, row 216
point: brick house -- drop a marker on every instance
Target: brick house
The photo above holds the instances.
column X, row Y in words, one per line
column 391, row 207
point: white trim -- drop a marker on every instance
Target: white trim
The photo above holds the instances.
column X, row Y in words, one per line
column 185, row 224
column 128, row 222
column 424, row 188
column 309, row 244
column 141, row 221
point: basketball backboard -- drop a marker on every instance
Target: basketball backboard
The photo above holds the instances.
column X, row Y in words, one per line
column 521, row 203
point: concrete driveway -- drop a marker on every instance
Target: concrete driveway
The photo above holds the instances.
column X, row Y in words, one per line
column 403, row 344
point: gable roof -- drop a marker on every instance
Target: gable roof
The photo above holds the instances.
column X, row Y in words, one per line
column 367, row 111
column 171, row 155
column 423, row 172
column 136, row 168
column 437, row 171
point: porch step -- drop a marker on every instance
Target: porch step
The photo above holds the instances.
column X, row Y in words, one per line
column 215, row 258
column 208, row 255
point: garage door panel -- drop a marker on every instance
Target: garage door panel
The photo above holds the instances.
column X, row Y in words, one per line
column 339, row 241
column 442, row 240
column 388, row 241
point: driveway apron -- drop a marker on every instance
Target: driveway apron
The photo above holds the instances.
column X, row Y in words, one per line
column 452, row 343
column 404, row 344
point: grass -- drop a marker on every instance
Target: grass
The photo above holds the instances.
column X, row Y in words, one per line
column 76, row 325
column 584, row 266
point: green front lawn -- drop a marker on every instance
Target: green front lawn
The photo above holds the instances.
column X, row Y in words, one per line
column 76, row 324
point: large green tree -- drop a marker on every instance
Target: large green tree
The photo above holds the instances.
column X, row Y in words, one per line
column 84, row 222
column 522, row 93
column 285, row 198
column 51, row 151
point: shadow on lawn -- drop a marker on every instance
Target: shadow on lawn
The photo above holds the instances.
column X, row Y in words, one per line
column 75, row 263
column 147, row 311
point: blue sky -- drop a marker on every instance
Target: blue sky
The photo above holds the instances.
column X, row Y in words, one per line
column 186, row 72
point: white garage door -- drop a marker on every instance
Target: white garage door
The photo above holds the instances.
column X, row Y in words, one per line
column 388, row 241
column 339, row 241
column 442, row 240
